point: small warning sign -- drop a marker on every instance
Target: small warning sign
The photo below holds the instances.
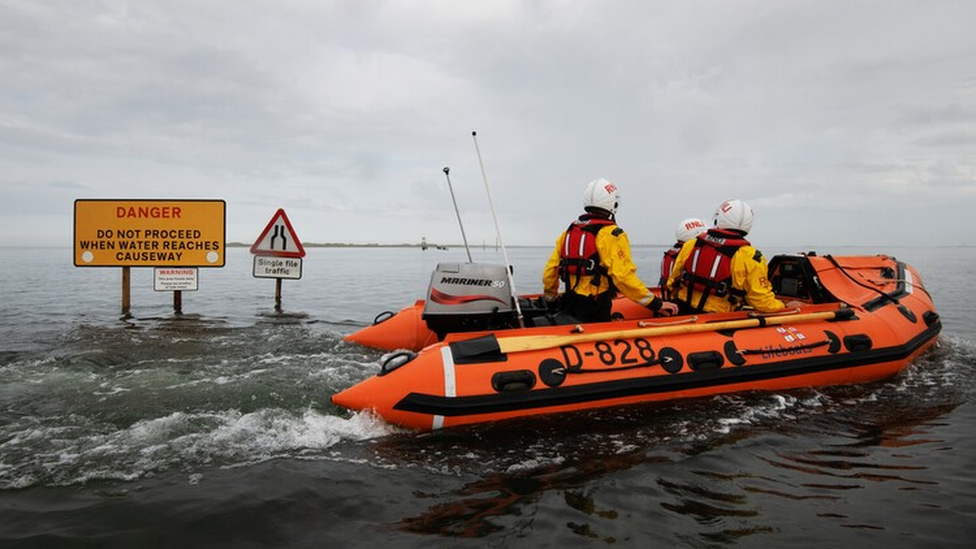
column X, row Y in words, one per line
column 170, row 279
column 278, row 239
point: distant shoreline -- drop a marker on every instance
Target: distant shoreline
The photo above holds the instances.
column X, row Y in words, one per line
column 367, row 245
column 449, row 246
column 335, row 245
column 378, row 245
column 879, row 248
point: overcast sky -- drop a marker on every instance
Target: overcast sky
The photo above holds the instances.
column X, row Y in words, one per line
column 839, row 121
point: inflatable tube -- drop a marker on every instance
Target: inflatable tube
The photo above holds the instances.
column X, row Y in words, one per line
column 865, row 318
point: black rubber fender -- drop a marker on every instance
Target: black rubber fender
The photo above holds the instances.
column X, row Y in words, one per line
column 732, row 353
column 395, row 361
column 383, row 317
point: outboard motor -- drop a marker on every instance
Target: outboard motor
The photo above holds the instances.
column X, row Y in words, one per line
column 466, row 297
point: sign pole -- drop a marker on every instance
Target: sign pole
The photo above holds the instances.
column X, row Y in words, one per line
column 278, row 294
column 175, row 280
column 278, row 253
column 125, row 290
column 173, row 236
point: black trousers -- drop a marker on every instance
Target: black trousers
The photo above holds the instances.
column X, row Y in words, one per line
column 587, row 308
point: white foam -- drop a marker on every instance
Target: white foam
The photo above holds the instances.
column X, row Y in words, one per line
column 535, row 463
column 274, row 431
column 751, row 410
column 111, row 391
column 59, row 456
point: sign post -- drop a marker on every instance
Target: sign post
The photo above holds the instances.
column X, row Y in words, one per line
column 278, row 253
column 176, row 280
column 148, row 233
column 126, row 294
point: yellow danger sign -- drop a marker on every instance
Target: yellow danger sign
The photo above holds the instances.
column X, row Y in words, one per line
column 149, row 233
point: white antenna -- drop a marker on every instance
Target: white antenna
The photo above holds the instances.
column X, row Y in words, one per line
column 447, row 172
column 498, row 232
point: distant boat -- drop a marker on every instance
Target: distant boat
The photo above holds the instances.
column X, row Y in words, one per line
column 424, row 245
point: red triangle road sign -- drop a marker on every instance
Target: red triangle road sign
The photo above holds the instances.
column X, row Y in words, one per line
column 278, row 238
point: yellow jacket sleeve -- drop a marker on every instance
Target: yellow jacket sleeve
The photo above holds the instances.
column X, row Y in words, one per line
column 614, row 249
column 679, row 263
column 750, row 273
column 550, row 274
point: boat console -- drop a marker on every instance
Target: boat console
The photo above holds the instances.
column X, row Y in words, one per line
column 793, row 277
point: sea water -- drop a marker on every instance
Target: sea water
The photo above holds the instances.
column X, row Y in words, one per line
column 214, row 428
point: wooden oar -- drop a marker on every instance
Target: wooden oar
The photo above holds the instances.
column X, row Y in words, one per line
column 517, row 344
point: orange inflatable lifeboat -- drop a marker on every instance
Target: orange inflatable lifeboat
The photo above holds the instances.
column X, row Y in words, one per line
column 864, row 318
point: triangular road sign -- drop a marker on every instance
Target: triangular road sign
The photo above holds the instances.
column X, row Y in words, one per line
column 278, row 238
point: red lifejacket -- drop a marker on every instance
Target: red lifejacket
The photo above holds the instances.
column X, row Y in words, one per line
column 667, row 262
column 578, row 255
column 708, row 270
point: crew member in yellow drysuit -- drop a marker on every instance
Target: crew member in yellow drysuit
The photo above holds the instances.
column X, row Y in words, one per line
column 592, row 258
column 720, row 271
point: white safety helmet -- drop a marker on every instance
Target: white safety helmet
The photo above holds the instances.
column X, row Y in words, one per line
column 689, row 228
column 734, row 214
column 602, row 194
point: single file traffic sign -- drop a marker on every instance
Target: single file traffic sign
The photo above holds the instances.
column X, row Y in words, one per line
column 278, row 238
column 277, row 267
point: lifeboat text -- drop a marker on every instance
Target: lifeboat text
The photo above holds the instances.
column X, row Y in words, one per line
column 779, row 351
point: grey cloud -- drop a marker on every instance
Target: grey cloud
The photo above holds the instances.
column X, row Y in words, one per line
column 344, row 112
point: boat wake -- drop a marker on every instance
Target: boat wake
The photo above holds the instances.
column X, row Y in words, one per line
column 111, row 418
column 124, row 403
column 59, row 451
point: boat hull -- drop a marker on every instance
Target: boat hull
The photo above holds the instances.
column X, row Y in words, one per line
column 491, row 376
